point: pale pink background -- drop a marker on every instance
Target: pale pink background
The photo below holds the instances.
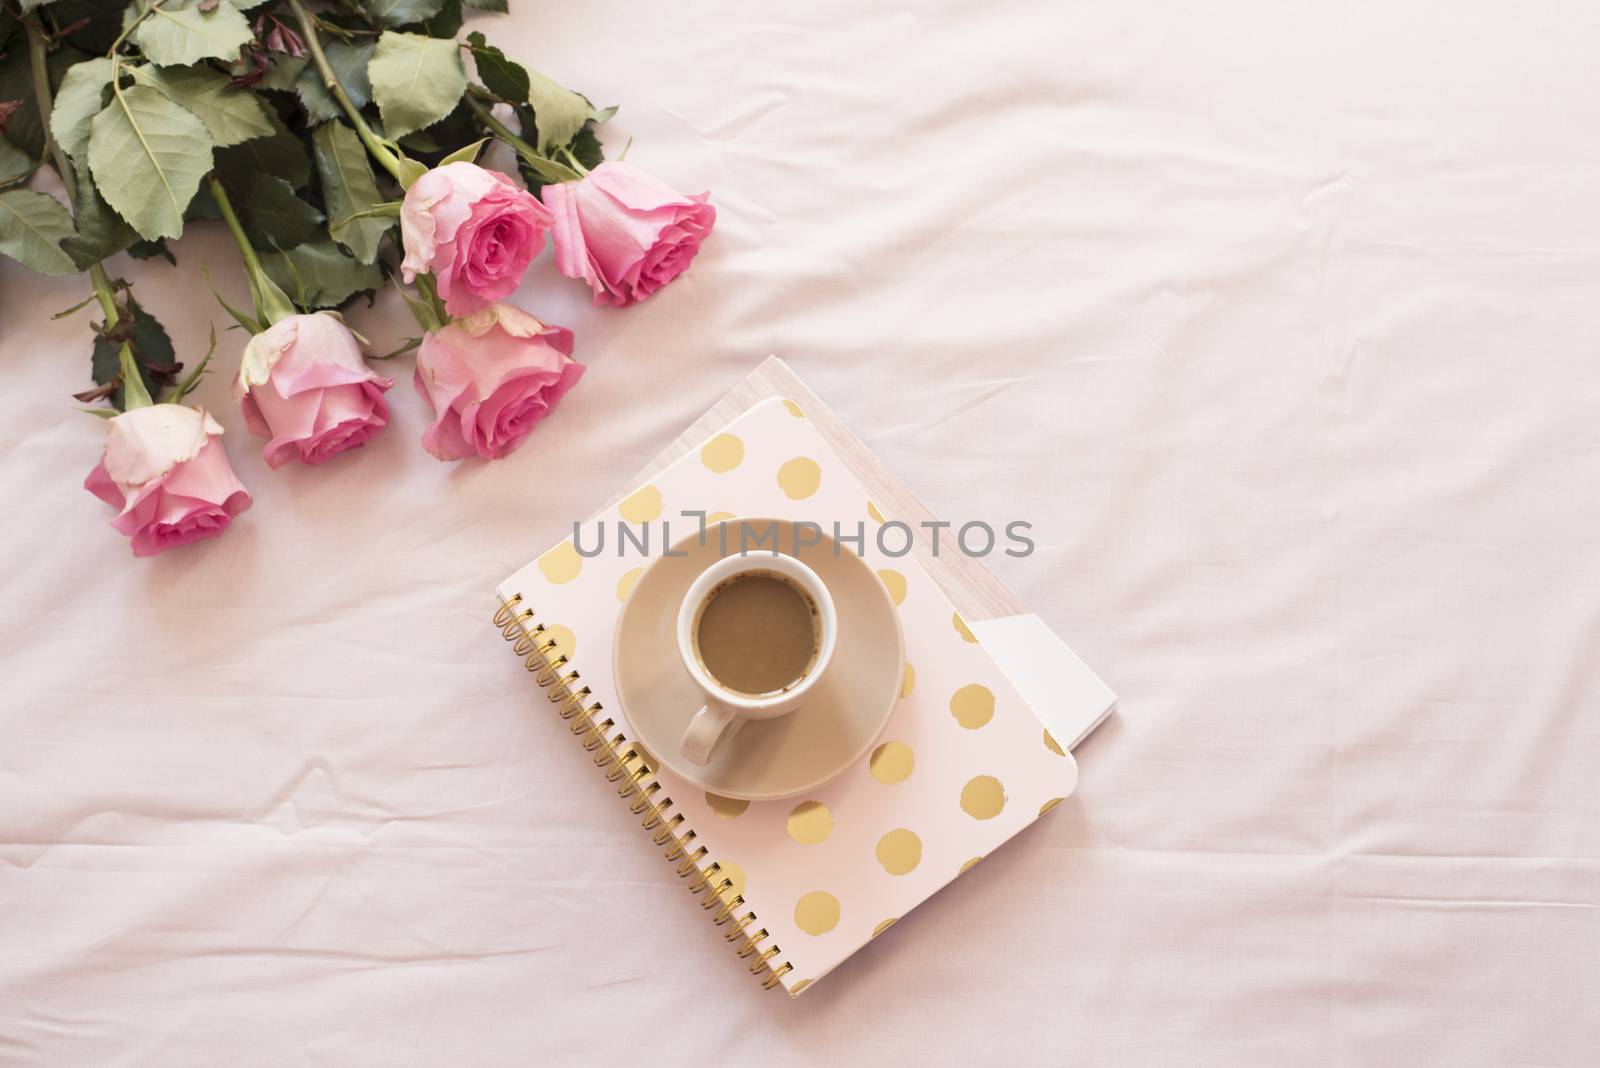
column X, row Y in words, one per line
column 1278, row 320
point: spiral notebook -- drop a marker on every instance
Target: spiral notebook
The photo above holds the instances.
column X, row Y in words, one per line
column 978, row 747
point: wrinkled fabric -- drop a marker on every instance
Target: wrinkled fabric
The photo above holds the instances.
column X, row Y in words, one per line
column 1276, row 321
column 304, row 385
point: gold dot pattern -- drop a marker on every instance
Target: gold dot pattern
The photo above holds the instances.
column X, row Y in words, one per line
column 983, row 797
column 969, row 865
column 872, row 510
column 566, row 641
column 1054, row 746
column 734, row 874
column 909, row 682
column 895, row 583
column 817, row 913
column 972, row 705
column 899, row 851
column 1050, row 804
column 799, row 478
column 794, row 409
column 722, row 453
column 561, row 564
column 627, row 582
column 884, row 926
column 892, row 763
column 642, row 505
column 726, row 807
column 962, row 628
column 810, row 822
column 717, row 517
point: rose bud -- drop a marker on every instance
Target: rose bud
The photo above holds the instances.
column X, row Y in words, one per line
column 474, row 229
column 624, row 232
column 490, row 378
column 304, row 386
column 165, row 469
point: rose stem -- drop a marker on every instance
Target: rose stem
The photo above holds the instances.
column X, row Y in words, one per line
column 380, row 151
column 42, row 95
column 271, row 303
column 518, row 145
column 134, row 395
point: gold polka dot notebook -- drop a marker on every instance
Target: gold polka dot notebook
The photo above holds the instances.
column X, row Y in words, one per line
column 967, row 760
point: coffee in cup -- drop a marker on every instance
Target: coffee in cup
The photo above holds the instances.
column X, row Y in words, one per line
column 756, row 633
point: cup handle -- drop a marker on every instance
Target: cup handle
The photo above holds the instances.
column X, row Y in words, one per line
column 710, row 725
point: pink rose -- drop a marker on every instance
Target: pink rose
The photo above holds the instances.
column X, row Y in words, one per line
column 303, row 384
column 474, row 230
column 490, row 378
column 164, row 467
column 625, row 233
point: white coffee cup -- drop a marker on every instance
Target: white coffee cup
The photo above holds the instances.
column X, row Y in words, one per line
column 725, row 709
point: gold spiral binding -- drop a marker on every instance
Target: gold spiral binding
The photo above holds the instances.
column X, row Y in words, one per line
column 633, row 772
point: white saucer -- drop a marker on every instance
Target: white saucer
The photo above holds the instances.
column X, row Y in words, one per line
column 766, row 759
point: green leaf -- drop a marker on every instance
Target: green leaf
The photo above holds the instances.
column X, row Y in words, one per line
column 152, row 353
column 444, row 136
column 466, row 153
column 497, row 6
column 273, row 217
column 416, row 80
column 232, row 116
column 152, row 250
column 148, row 156
column 586, row 148
column 282, row 73
column 503, row 77
column 23, row 128
column 249, row 322
column 15, row 164
column 79, row 100
column 349, row 188
column 560, row 112
column 447, row 23
column 394, row 13
column 32, row 226
column 537, row 171
column 101, row 232
column 179, row 33
column 410, row 171
column 318, row 274
column 283, row 154
column 349, row 62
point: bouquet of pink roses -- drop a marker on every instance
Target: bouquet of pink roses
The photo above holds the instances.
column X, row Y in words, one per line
column 338, row 143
